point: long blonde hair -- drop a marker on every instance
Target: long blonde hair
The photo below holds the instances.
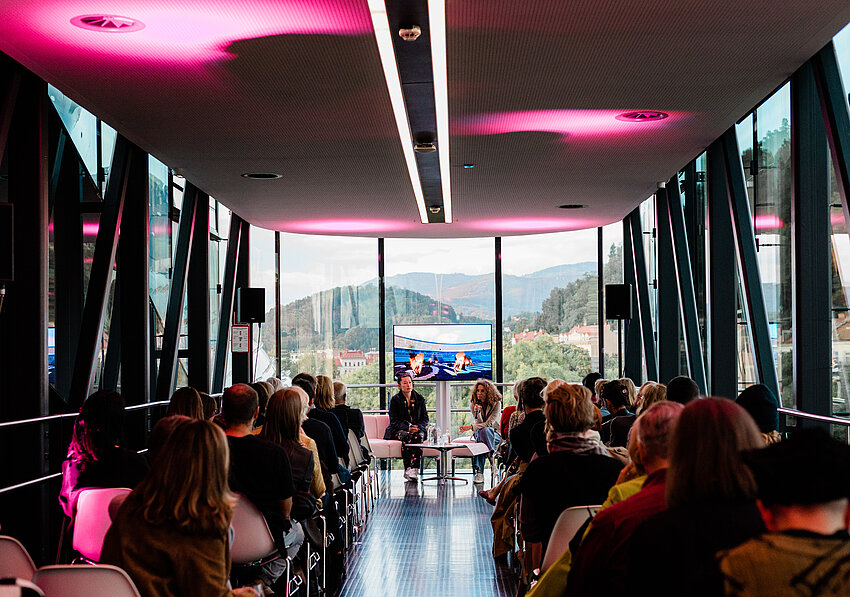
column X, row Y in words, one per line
column 187, row 487
column 324, row 392
column 283, row 417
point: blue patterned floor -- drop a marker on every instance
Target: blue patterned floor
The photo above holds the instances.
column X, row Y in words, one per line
column 427, row 540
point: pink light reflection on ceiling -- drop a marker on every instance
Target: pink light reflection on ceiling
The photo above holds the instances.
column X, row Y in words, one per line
column 347, row 226
column 188, row 31
column 572, row 123
column 528, row 224
column 767, row 222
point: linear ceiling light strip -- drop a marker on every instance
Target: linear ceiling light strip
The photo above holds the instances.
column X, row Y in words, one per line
column 437, row 20
column 383, row 36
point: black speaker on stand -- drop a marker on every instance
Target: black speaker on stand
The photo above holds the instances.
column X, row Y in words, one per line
column 618, row 305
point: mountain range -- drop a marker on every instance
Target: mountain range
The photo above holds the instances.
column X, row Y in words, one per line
column 474, row 294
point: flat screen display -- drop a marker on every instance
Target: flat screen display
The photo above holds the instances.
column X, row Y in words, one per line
column 444, row 352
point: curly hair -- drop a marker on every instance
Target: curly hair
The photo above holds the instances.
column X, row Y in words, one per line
column 491, row 393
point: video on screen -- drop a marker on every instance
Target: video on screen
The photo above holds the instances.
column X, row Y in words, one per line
column 450, row 352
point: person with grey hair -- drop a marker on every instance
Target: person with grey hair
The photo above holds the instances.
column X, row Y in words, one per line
column 351, row 418
column 601, row 551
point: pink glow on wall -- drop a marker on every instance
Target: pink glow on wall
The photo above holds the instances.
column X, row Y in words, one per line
column 183, row 31
column 528, row 224
column 571, row 123
column 347, row 226
column 767, row 222
column 90, row 228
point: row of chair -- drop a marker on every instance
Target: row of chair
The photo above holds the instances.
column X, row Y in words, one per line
column 21, row 577
column 532, row 560
column 253, row 543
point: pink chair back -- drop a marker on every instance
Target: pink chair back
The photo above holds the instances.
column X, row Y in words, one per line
column 84, row 581
column 93, row 519
column 252, row 538
column 15, row 561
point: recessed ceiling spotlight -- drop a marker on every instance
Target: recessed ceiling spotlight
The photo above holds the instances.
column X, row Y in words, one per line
column 572, row 206
column 642, row 116
column 424, row 148
column 262, row 175
column 107, row 23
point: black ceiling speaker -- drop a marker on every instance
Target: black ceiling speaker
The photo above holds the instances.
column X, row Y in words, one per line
column 7, row 243
column 251, row 305
column 618, row 301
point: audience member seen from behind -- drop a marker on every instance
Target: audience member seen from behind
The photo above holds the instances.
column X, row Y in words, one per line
column 351, row 418
column 408, row 423
column 649, row 394
column 682, row 389
column 763, row 407
column 576, row 472
column 309, row 384
column 171, row 535
column 95, row 455
column 803, row 490
column 260, row 470
column 161, row 432
column 631, row 390
column 485, row 404
column 615, row 396
column 283, row 427
column 711, row 504
column 505, row 495
column 601, row 552
column 210, row 406
column 187, row 402
column 531, row 432
column 264, row 393
column 589, row 382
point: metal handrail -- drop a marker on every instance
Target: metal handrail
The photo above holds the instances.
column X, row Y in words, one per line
column 822, row 418
column 48, row 418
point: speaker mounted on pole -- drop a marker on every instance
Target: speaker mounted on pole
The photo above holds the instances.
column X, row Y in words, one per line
column 251, row 305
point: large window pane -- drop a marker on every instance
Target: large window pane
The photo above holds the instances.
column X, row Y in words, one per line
column 612, row 273
column 329, row 311
column 772, row 225
column 550, row 305
column 440, row 281
column 263, row 276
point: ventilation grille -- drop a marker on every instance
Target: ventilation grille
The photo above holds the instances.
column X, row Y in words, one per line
column 107, row 23
column 642, row 116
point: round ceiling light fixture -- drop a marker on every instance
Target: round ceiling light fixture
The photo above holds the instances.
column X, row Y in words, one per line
column 572, row 206
column 642, row 116
column 262, row 175
column 107, row 23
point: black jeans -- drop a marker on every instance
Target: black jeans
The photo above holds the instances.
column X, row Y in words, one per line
column 411, row 456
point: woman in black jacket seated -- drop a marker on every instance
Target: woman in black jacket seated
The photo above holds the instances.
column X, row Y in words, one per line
column 408, row 423
column 577, row 471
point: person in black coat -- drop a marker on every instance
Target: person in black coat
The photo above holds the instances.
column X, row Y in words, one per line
column 351, row 418
column 308, row 383
column 408, row 422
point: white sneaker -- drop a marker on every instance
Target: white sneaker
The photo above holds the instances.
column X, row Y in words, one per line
column 478, row 478
column 414, row 474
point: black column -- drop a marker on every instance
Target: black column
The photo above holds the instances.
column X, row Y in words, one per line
column 600, row 298
column 497, row 272
column 632, row 363
column 382, row 324
column 668, row 295
column 810, row 229
column 228, row 290
column 198, row 298
column 720, row 292
column 243, row 362
column 134, row 296
column 23, row 322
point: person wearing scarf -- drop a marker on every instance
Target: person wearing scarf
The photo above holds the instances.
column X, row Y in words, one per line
column 578, row 470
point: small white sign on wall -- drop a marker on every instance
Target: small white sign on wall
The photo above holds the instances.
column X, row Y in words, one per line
column 240, row 337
